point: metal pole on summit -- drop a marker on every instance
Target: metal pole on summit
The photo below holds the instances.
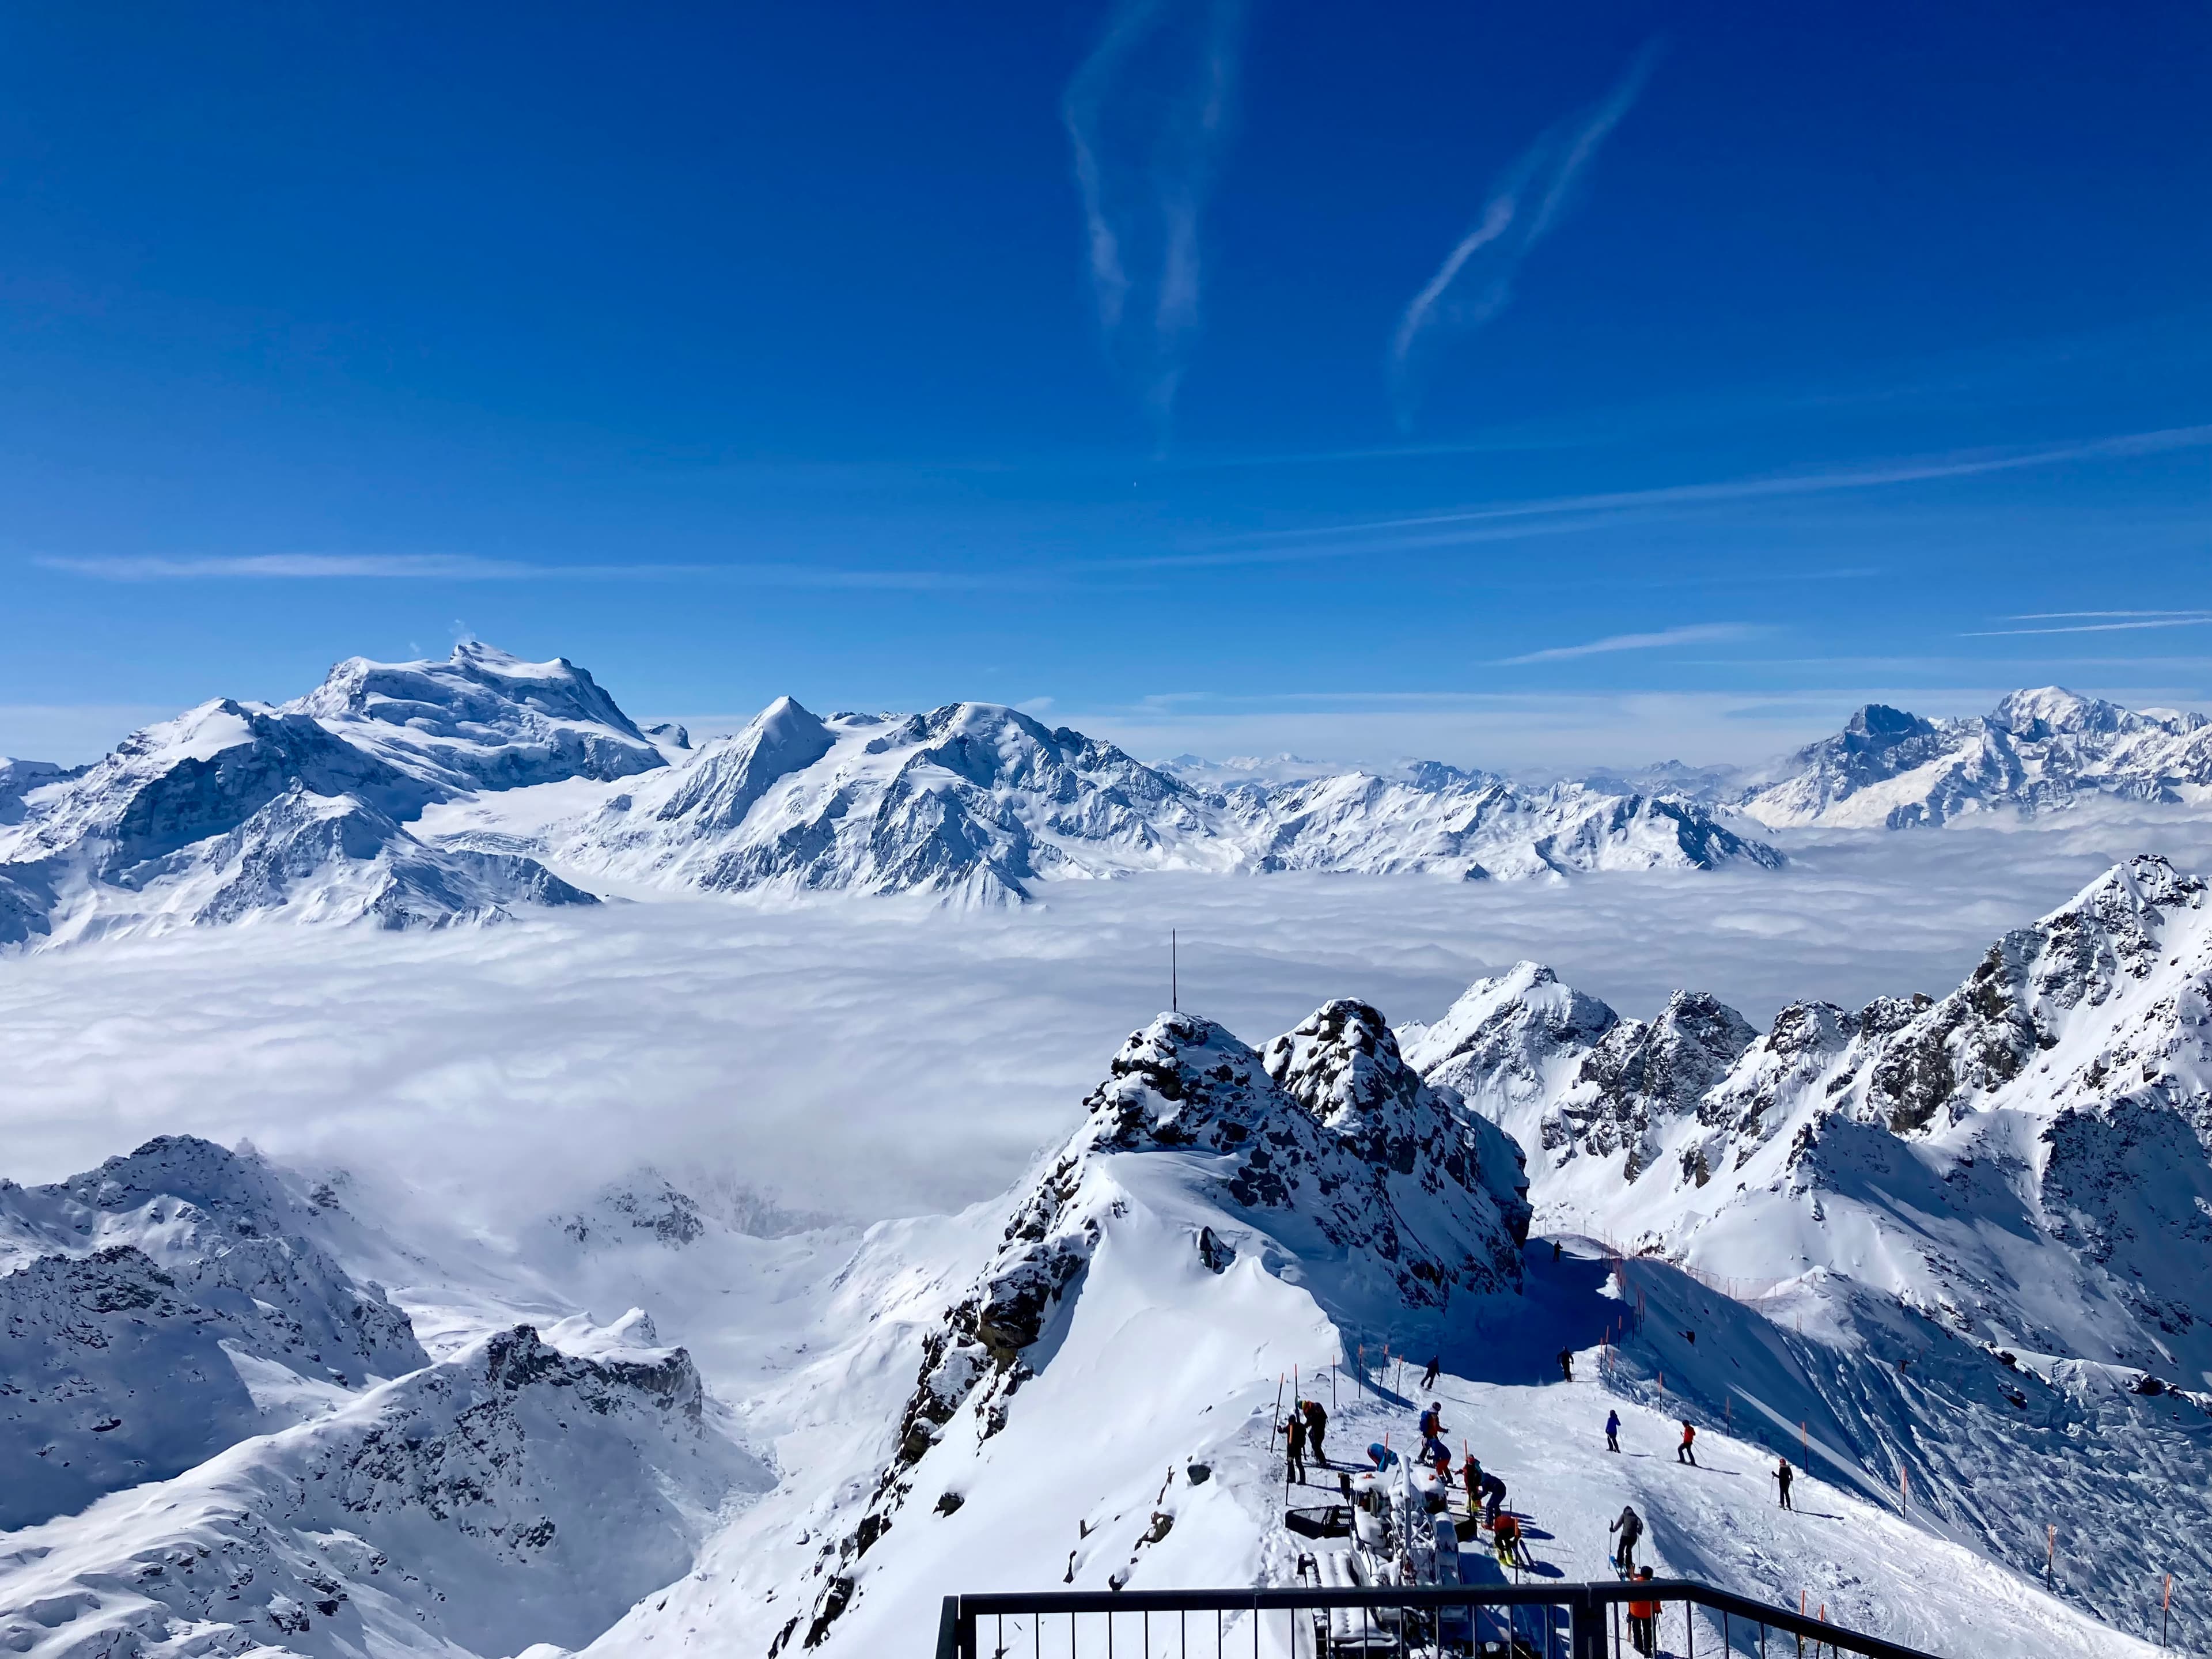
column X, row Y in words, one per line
column 2050, row 1555
column 1174, row 974
column 2165, row 1602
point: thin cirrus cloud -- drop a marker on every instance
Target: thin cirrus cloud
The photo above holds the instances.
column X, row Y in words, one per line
column 1625, row 505
column 2095, row 622
column 1525, row 204
column 1693, row 633
column 469, row 567
column 1147, row 115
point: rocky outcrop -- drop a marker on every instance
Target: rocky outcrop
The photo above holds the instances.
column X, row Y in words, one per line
column 1326, row 1156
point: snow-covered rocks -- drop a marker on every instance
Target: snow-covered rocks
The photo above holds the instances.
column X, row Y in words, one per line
column 483, row 719
column 161, row 1307
column 2036, row 750
column 513, row 1494
column 1207, row 1173
column 978, row 803
column 237, row 810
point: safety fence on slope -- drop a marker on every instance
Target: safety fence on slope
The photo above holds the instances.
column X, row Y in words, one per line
column 1648, row 1618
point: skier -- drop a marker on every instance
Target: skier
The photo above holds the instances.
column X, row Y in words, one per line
column 1682, row 1453
column 1567, row 1364
column 1643, row 1621
column 1429, row 1377
column 1316, row 1426
column 1505, row 1535
column 1494, row 1498
column 1294, row 1431
column 1432, row 1433
column 1470, row 1474
column 1785, row 1475
column 1441, row 1462
column 1556, row 1248
column 1630, row 1525
column 1613, row 1432
column 1384, row 1456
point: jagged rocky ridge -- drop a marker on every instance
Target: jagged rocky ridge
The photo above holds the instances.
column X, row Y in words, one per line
column 510, row 1495
column 2009, row 1188
column 159, row 1308
column 1322, row 1159
column 2038, row 749
column 978, row 803
column 273, row 1462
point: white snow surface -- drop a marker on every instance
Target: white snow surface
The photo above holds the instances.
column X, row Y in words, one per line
column 2007, row 1192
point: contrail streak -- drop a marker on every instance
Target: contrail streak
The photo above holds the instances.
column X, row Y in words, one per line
column 1475, row 280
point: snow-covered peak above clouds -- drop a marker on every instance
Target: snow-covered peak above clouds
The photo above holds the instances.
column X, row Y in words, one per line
column 481, row 719
column 978, row 803
column 2038, row 750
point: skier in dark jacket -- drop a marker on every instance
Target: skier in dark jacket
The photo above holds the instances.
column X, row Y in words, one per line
column 1294, row 1431
column 1470, row 1474
column 1316, row 1426
column 1785, row 1475
column 1613, row 1432
column 1429, row 1377
column 1567, row 1364
column 1630, row 1525
column 1493, row 1498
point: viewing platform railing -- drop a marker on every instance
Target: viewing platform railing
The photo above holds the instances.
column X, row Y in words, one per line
column 1482, row 1621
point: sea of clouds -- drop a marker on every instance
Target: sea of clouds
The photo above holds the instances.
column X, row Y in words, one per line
column 873, row 1057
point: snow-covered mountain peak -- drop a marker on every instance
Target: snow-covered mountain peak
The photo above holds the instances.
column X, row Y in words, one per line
column 482, row 718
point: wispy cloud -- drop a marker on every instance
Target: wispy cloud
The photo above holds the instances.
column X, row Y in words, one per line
column 469, row 567
column 1475, row 280
column 1444, row 526
column 1147, row 114
column 1694, row 634
column 2124, row 622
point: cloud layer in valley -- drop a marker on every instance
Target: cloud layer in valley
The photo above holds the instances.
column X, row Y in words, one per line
column 875, row 1058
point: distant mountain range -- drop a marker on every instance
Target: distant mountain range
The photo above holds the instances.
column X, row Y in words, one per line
column 426, row 794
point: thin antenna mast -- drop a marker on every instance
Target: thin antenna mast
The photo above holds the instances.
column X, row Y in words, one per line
column 1175, row 975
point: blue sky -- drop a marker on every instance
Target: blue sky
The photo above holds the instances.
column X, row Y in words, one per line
column 1501, row 384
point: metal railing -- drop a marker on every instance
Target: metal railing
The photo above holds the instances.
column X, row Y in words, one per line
column 1481, row 1621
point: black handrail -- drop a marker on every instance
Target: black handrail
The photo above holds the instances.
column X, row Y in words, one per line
column 1586, row 1604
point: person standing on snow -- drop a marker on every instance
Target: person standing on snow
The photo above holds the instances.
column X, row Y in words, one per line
column 1613, row 1432
column 1294, row 1431
column 1316, row 1426
column 1785, row 1475
column 1644, row 1622
column 1505, row 1535
column 1682, row 1453
column 1429, row 1377
column 1432, row 1434
column 1567, row 1364
column 1630, row 1525
column 1470, row 1474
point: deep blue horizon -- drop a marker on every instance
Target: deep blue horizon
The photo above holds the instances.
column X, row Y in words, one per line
column 1601, row 385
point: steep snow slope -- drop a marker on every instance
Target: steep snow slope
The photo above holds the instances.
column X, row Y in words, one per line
column 510, row 1495
column 158, row 1309
column 1324, row 1163
column 1993, row 1207
column 1095, row 1409
column 976, row 802
column 2036, row 749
